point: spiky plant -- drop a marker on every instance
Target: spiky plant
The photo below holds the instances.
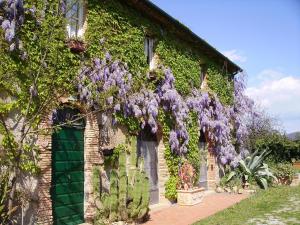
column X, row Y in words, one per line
column 254, row 167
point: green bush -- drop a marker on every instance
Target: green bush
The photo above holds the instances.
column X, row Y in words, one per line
column 171, row 188
column 282, row 149
column 284, row 172
column 125, row 201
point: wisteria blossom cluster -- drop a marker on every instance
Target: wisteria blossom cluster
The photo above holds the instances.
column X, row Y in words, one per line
column 214, row 120
column 104, row 76
column 173, row 102
column 219, row 122
column 243, row 107
column 11, row 17
column 144, row 105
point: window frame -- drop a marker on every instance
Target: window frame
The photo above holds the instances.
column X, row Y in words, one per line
column 149, row 46
column 203, row 71
column 77, row 30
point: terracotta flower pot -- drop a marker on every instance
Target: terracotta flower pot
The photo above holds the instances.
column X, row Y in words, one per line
column 190, row 197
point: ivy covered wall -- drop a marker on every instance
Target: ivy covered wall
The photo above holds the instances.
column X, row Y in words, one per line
column 115, row 27
column 122, row 30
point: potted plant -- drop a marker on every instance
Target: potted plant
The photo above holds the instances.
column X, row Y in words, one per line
column 187, row 193
column 76, row 45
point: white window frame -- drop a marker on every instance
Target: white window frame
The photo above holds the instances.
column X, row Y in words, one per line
column 149, row 51
column 75, row 27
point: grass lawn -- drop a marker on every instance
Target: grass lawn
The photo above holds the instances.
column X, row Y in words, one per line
column 275, row 206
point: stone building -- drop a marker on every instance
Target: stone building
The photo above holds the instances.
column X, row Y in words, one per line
column 94, row 135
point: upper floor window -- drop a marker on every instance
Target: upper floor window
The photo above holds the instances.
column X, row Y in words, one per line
column 75, row 18
column 202, row 75
column 149, row 51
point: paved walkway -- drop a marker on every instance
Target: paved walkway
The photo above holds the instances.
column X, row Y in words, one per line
column 185, row 215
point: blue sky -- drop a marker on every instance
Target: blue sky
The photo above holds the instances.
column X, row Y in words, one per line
column 262, row 36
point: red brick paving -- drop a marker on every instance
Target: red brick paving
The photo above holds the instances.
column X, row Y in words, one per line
column 185, row 215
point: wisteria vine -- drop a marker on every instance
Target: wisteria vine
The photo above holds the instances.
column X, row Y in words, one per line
column 109, row 83
column 111, row 80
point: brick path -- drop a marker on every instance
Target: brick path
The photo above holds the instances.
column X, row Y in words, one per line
column 185, row 215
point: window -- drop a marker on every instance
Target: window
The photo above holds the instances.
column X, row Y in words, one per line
column 149, row 51
column 202, row 75
column 75, row 18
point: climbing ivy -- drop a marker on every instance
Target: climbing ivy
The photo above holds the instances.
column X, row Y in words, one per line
column 114, row 27
column 183, row 62
column 220, row 83
column 193, row 155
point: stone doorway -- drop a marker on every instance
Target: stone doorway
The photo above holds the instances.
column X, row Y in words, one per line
column 147, row 149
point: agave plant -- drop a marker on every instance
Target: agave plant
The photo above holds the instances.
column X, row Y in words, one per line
column 253, row 166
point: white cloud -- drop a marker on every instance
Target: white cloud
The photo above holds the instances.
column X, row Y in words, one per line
column 279, row 93
column 235, row 55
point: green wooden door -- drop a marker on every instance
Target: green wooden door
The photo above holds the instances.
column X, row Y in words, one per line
column 68, row 176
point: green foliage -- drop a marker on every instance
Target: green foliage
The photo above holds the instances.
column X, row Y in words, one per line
column 179, row 57
column 282, row 149
column 133, row 160
column 193, row 155
column 172, row 160
column 260, row 207
column 126, row 201
column 122, row 186
column 284, row 172
column 171, row 188
column 140, row 196
column 253, row 167
column 113, row 196
column 111, row 161
column 124, row 32
column 131, row 123
column 50, row 68
column 31, row 82
column 220, row 83
column 234, row 181
column 4, row 194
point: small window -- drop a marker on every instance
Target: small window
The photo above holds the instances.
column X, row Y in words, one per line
column 149, row 51
column 75, row 18
column 202, row 75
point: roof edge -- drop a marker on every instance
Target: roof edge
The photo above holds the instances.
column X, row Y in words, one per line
column 209, row 50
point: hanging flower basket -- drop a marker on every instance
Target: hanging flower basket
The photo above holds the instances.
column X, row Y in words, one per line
column 76, row 46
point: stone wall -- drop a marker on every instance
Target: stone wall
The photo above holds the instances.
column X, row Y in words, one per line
column 212, row 169
column 44, row 214
column 92, row 157
column 163, row 174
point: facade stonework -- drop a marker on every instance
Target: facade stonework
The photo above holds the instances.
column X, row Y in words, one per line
column 212, row 170
column 92, row 157
column 163, row 174
column 99, row 135
column 44, row 214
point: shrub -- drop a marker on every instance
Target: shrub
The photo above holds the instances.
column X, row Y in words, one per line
column 282, row 149
column 284, row 173
column 171, row 188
